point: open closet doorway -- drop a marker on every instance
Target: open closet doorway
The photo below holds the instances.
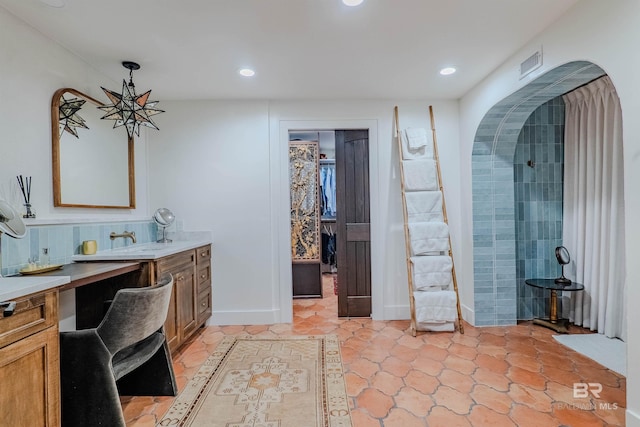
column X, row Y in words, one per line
column 341, row 219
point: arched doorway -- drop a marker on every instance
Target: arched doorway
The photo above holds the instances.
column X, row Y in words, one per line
column 494, row 212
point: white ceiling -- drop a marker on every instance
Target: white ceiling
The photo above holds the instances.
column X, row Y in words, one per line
column 300, row 49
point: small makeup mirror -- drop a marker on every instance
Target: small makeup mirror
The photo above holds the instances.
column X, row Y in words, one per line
column 562, row 255
column 164, row 218
column 11, row 224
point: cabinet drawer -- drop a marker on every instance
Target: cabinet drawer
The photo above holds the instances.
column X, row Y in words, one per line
column 203, row 254
column 30, row 373
column 204, row 276
column 33, row 314
column 204, row 305
column 174, row 262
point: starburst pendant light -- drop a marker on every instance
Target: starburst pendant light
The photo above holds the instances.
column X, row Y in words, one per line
column 128, row 109
column 69, row 117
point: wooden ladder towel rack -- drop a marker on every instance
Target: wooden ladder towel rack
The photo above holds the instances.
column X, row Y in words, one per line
column 412, row 303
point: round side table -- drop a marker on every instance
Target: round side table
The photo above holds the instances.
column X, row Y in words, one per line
column 553, row 322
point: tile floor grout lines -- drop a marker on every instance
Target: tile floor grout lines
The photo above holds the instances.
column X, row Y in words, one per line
column 490, row 376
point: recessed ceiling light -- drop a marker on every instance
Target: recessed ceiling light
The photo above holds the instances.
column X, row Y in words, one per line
column 447, row 70
column 53, row 3
column 352, row 2
column 247, row 72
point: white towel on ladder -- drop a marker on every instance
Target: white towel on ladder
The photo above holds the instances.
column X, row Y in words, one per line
column 408, row 153
column 432, row 273
column 424, row 206
column 416, row 137
column 420, row 175
column 436, row 307
column 428, row 237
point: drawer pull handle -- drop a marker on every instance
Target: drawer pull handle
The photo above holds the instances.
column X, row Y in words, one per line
column 203, row 254
column 204, row 276
column 180, row 278
column 9, row 307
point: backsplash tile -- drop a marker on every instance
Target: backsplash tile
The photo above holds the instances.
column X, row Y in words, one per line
column 65, row 240
column 538, row 203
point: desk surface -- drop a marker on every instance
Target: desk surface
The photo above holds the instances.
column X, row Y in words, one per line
column 551, row 284
column 19, row 286
column 82, row 273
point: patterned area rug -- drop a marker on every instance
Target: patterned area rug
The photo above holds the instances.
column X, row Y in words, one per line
column 252, row 381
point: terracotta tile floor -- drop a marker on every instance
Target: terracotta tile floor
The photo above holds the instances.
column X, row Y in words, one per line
column 498, row 376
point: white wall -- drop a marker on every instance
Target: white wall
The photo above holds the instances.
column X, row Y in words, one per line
column 605, row 33
column 210, row 165
column 221, row 166
column 217, row 164
column 32, row 68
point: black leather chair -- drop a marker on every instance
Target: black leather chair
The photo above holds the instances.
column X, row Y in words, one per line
column 126, row 354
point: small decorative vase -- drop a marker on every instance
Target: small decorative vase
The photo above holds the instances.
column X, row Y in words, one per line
column 89, row 247
column 30, row 213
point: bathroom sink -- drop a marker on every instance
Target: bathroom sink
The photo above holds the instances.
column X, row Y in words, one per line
column 145, row 247
column 142, row 251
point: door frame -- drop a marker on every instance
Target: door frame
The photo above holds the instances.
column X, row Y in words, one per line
column 280, row 212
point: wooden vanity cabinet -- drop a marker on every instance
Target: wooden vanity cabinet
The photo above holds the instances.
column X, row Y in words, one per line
column 190, row 303
column 181, row 318
column 30, row 362
column 203, row 273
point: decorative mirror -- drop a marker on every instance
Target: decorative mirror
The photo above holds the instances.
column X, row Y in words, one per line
column 93, row 165
column 164, row 218
column 562, row 255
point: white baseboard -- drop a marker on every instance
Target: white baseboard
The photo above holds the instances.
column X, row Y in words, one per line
column 468, row 314
column 269, row 317
column 258, row 317
column 633, row 419
column 396, row 312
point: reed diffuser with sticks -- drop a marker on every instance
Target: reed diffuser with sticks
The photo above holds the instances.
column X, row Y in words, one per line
column 25, row 187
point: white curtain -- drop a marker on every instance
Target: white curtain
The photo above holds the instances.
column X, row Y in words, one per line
column 593, row 217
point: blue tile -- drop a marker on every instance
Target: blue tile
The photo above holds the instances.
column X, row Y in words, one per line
column 63, row 242
column 485, row 319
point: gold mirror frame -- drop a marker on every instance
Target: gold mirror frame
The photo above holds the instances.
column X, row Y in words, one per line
column 58, row 199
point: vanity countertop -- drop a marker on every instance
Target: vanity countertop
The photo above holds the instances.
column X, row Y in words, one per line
column 143, row 251
column 19, row 286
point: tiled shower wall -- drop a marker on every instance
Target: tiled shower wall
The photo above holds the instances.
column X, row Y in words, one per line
column 494, row 213
column 538, row 203
column 65, row 240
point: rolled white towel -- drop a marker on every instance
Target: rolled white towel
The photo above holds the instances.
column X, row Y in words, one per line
column 416, row 137
column 428, row 237
column 424, row 206
column 436, row 307
column 408, row 153
column 431, row 273
column 420, row 175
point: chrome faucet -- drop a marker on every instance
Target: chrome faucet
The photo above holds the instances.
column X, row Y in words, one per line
column 130, row 234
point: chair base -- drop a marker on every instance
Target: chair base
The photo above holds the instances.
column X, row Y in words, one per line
column 154, row 378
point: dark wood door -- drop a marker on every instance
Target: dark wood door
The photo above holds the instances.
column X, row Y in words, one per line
column 353, row 241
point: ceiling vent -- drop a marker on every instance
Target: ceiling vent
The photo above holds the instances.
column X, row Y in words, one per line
column 531, row 63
